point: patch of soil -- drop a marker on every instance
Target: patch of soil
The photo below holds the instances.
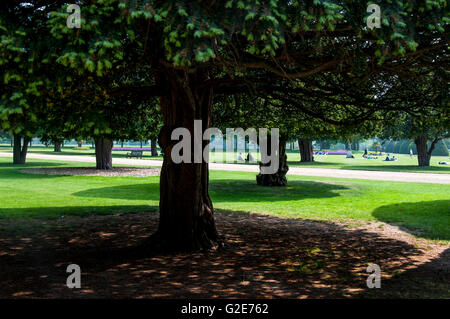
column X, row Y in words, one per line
column 92, row 171
column 263, row 257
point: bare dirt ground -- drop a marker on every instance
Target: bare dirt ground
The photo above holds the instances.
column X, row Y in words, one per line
column 92, row 171
column 263, row 257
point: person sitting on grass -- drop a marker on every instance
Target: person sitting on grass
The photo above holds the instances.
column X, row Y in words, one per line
column 249, row 158
column 239, row 157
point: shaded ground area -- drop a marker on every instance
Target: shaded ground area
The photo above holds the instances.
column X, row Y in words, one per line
column 264, row 257
column 92, row 171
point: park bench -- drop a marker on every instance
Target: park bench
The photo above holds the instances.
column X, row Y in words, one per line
column 137, row 154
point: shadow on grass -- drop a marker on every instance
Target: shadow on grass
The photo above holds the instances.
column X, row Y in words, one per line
column 264, row 257
column 69, row 152
column 89, row 153
column 227, row 190
column 148, row 191
column 58, row 212
column 12, row 171
column 29, row 165
column 429, row 220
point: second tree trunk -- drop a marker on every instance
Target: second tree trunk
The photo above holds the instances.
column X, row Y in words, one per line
column 279, row 178
column 19, row 150
column 153, row 147
column 423, row 152
column 57, row 147
column 103, row 153
column 306, row 150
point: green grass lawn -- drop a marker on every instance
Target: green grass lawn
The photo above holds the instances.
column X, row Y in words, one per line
column 404, row 164
column 417, row 207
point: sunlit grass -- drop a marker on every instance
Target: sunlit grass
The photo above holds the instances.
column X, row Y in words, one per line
column 421, row 208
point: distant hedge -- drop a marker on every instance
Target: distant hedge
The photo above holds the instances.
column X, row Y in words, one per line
column 397, row 147
column 413, row 146
column 440, row 149
column 404, row 147
column 389, row 147
column 447, row 142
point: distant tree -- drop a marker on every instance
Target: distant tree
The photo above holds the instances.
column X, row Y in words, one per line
column 390, row 147
column 425, row 118
column 404, row 147
column 447, row 142
column 397, row 145
column 376, row 146
column 440, row 149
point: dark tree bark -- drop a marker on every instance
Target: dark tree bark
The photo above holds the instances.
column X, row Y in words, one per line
column 57, row 147
column 154, row 147
column 423, row 152
column 186, row 211
column 103, row 153
column 279, row 178
column 19, row 150
column 306, row 150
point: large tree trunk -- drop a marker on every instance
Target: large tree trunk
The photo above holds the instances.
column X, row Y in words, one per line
column 186, row 211
column 19, row 150
column 279, row 178
column 423, row 152
column 103, row 153
column 154, row 147
column 306, row 150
